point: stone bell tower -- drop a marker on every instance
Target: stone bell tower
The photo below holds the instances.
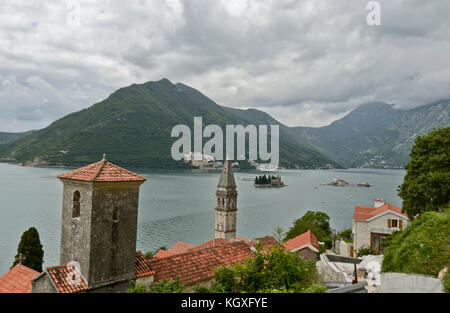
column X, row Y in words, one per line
column 226, row 204
column 99, row 222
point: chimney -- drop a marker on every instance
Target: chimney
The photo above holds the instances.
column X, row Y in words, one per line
column 379, row 202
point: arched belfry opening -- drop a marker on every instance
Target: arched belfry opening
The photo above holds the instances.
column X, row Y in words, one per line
column 76, row 204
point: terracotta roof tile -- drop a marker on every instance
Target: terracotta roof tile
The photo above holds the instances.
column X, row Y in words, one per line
column 163, row 254
column 195, row 266
column 363, row 213
column 61, row 276
column 178, row 247
column 17, row 280
column 266, row 242
column 102, row 171
column 211, row 244
column 302, row 240
column 142, row 269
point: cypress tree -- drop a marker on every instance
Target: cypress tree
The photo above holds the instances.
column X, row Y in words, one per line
column 30, row 250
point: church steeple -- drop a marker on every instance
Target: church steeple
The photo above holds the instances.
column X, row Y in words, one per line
column 226, row 204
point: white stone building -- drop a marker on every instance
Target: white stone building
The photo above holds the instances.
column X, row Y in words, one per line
column 371, row 225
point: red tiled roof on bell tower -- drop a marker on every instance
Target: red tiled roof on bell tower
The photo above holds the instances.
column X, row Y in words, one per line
column 102, row 171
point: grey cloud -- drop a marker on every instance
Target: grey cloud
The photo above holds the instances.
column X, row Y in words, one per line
column 305, row 62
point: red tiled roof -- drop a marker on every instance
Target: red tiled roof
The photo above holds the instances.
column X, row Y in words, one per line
column 211, row 244
column 195, row 266
column 178, row 247
column 102, row 171
column 61, row 276
column 163, row 253
column 266, row 242
column 302, row 240
column 363, row 213
column 141, row 268
column 17, row 280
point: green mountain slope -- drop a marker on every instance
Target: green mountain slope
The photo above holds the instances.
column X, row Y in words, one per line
column 10, row 137
column 133, row 127
column 376, row 134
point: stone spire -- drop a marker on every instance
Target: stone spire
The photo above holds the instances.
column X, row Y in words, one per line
column 227, row 177
column 226, row 204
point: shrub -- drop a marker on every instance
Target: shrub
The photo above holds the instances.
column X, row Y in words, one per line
column 446, row 282
column 365, row 250
column 168, row 286
column 421, row 248
column 202, row 289
column 315, row 288
column 137, row 288
column 277, row 270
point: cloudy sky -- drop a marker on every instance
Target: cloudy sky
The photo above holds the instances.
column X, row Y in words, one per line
column 306, row 63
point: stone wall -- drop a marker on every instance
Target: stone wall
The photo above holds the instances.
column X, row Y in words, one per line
column 405, row 283
column 42, row 284
column 307, row 254
column 329, row 272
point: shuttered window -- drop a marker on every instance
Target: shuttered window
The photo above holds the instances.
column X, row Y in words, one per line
column 389, row 223
column 400, row 224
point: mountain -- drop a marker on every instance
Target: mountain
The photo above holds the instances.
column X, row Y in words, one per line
column 133, row 127
column 10, row 137
column 376, row 134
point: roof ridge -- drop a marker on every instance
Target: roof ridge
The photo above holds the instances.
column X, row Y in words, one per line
column 100, row 170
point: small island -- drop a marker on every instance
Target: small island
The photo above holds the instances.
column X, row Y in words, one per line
column 269, row 181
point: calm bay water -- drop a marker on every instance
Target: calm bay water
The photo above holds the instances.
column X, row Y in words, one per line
column 179, row 205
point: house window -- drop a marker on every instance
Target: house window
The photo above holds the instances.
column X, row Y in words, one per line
column 395, row 223
column 76, row 204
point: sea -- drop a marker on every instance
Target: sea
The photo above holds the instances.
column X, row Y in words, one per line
column 178, row 205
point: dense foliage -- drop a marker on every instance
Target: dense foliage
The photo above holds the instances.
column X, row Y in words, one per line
column 426, row 184
column 446, row 282
column 277, row 270
column 265, row 180
column 422, row 248
column 365, row 250
column 345, row 234
column 30, row 249
column 168, row 286
column 164, row 286
column 317, row 222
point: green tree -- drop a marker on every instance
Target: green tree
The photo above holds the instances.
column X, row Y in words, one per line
column 425, row 187
column 278, row 234
column 30, row 251
column 277, row 270
column 168, row 286
column 421, row 248
column 317, row 222
column 345, row 234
